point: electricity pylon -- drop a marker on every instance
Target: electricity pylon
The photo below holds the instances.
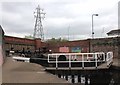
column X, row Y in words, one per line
column 38, row 29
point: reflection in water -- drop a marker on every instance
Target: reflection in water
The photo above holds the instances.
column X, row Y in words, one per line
column 76, row 79
column 112, row 82
column 69, row 79
column 109, row 77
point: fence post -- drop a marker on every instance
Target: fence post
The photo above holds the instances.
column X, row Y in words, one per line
column 95, row 60
column 82, row 61
column 56, row 62
column 103, row 56
column 87, row 57
column 48, row 58
column 69, row 61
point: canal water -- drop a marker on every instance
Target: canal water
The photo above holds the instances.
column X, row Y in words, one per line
column 103, row 77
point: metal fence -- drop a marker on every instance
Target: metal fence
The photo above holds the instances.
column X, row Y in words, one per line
column 96, row 58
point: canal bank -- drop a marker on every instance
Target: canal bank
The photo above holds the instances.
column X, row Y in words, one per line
column 23, row 72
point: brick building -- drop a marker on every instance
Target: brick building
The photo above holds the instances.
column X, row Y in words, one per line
column 88, row 45
column 16, row 43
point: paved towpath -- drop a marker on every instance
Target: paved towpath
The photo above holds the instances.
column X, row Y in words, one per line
column 23, row 72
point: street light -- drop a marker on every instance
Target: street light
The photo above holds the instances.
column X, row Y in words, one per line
column 93, row 25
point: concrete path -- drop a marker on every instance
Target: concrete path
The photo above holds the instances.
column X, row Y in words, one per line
column 23, row 72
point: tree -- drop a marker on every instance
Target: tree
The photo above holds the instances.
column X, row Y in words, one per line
column 29, row 37
column 54, row 40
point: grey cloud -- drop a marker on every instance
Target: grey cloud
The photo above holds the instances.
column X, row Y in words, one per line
column 22, row 25
column 15, row 6
column 78, row 19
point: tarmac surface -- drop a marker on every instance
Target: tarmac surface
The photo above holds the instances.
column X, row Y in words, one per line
column 24, row 72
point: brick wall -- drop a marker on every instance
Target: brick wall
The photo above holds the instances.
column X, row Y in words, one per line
column 37, row 43
column 88, row 45
column 21, row 43
column 83, row 44
column 105, row 45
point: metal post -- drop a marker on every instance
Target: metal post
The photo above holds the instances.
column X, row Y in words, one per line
column 96, row 60
column 103, row 56
column 69, row 61
column 93, row 25
column 48, row 58
column 92, row 28
column 87, row 57
column 56, row 62
column 82, row 61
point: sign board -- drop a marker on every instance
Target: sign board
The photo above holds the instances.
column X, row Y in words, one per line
column 76, row 49
column 64, row 49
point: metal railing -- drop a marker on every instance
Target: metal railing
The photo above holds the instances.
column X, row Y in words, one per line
column 98, row 57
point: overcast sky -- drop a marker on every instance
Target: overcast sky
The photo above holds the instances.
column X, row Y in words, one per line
column 63, row 17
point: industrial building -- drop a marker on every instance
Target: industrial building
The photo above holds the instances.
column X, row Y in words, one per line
column 87, row 45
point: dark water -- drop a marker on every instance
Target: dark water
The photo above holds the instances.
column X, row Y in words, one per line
column 103, row 77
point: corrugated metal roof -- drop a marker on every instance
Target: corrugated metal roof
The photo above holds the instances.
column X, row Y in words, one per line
column 114, row 32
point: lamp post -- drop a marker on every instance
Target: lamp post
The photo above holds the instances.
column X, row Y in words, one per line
column 93, row 31
column 93, row 25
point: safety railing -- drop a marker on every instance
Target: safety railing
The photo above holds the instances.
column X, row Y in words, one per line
column 98, row 57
